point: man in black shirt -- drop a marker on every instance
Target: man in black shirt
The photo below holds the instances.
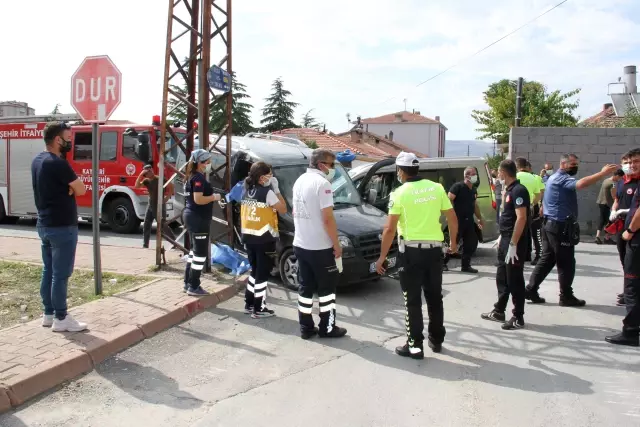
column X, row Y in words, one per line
column 149, row 180
column 463, row 196
column 512, row 249
column 55, row 186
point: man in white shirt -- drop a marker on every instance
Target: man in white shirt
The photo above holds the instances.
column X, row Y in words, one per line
column 316, row 246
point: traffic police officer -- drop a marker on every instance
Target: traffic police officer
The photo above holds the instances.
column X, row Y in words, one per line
column 631, row 323
column 512, row 249
column 414, row 210
column 560, row 231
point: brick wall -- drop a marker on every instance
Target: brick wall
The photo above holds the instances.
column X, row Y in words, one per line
column 594, row 146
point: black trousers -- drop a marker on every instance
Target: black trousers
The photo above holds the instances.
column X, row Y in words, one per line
column 420, row 271
column 261, row 260
column 510, row 277
column 622, row 247
column 631, row 322
column 149, row 217
column 536, row 232
column 467, row 231
column 605, row 211
column 198, row 228
column 557, row 251
column 317, row 272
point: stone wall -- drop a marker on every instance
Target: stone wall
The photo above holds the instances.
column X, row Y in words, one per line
column 594, row 146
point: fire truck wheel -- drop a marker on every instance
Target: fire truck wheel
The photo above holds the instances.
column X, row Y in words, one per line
column 121, row 216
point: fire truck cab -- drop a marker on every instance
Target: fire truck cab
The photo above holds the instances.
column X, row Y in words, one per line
column 124, row 150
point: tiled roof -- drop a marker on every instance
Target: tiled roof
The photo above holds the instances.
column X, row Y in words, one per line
column 398, row 147
column 604, row 119
column 407, row 117
column 333, row 143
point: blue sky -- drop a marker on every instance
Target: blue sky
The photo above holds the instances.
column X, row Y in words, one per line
column 360, row 57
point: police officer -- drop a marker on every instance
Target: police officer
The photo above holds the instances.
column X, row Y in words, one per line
column 414, row 210
column 631, row 323
column 259, row 208
column 625, row 189
column 512, row 249
column 536, row 217
column 197, row 217
column 532, row 184
column 560, row 231
column 464, row 198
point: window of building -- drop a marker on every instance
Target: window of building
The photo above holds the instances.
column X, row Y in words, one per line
column 82, row 146
column 108, row 146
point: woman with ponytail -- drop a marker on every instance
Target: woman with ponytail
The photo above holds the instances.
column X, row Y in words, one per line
column 259, row 208
column 197, row 218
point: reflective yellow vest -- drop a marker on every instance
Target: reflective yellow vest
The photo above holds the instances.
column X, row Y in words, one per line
column 258, row 220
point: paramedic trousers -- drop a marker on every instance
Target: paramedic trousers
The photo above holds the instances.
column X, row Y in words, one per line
column 261, row 260
column 198, row 228
column 510, row 277
column 317, row 272
column 631, row 323
column 420, row 270
column 557, row 251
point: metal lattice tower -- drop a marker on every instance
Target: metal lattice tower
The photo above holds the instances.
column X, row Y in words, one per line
column 207, row 23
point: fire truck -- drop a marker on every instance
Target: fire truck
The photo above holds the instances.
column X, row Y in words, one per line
column 124, row 149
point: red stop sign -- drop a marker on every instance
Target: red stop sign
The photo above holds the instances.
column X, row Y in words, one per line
column 96, row 89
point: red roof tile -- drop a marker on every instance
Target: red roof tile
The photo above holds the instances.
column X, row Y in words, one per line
column 406, row 117
column 330, row 142
column 396, row 145
column 604, row 119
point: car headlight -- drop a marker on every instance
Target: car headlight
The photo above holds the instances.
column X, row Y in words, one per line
column 345, row 242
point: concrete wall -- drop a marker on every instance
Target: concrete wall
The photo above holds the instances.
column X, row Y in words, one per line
column 594, row 146
column 422, row 137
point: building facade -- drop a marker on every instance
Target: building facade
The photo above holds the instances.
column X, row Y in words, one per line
column 15, row 108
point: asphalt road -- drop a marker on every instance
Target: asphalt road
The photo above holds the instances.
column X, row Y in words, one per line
column 223, row 368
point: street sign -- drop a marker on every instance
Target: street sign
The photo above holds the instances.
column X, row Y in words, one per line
column 96, row 89
column 219, row 79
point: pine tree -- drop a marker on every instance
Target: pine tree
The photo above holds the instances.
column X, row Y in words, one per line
column 308, row 121
column 56, row 110
column 278, row 113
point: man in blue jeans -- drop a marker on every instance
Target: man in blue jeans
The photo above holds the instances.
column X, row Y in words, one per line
column 55, row 187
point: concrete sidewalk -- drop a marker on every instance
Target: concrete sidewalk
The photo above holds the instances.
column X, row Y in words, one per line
column 34, row 359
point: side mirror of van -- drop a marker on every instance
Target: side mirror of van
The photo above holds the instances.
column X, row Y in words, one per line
column 372, row 196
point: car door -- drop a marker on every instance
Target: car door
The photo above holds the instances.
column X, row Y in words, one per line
column 369, row 194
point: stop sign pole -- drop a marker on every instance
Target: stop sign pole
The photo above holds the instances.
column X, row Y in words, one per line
column 96, row 89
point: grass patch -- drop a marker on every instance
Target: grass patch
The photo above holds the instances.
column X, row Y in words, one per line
column 20, row 290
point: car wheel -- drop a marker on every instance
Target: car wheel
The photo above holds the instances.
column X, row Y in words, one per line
column 121, row 216
column 288, row 265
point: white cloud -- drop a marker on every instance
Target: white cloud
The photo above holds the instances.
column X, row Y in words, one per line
column 336, row 57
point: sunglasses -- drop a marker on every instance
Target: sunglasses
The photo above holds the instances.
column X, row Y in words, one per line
column 329, row 164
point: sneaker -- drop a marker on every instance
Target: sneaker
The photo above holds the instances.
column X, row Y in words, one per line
column 445, row 267
column 47, row 320
column 620, row 302
column 632, row 340
column 248, row 309
column 597, row 241
column 309, row 333
column 336, row 332
column 68, row 324
column 412, row 352
column 534, row 297
column 620, row 295
column 494, row 316
column 513, row 323
column 265, row 312
column 571, row 301
column 436, row 348
column 199, row 292
column 185, row 288
column 469, row 270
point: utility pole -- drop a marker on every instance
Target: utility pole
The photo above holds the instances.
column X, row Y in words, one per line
column 519, row 102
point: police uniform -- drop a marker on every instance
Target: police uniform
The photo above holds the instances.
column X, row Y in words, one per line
column 631, row 323
column 529, row 181
column 624, row 194
column 259, row 228
column 559, row 231
column 464, row 205
column 197, row 218
column 536, row 223
column 419, row 203
column 510, row 276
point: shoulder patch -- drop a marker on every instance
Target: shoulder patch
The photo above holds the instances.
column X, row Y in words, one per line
column 197, row 184
column 629, row 191
column 519, row 201
column 327, row 191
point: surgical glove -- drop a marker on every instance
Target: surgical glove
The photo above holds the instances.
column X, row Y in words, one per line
column 497, row 243
column 511, row 254
column 613, row 216
column 621, row 212
column 274, row 185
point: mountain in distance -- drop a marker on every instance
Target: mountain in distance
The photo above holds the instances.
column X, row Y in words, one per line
column 473, row 148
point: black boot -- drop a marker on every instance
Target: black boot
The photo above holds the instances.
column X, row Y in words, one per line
column 412, row 352
column 624, row 338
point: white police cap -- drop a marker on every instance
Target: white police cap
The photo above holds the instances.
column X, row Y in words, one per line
column 407, row 159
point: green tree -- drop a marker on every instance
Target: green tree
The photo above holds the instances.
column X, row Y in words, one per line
column 631, row 117
column 56, row 109
column 278, row 113
column 494, row 161
column 540, row 108
column 309, row 121
column 240, row 110
column 311, row 143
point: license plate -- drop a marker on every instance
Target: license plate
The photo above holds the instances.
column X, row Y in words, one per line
column 391, row 261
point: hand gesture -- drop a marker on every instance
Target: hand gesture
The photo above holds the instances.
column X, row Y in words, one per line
column 626, row 236
column 453, row 247
column 480, row 223
column 609, row 169
column 275, row 185
column 71, row 192
column 380, row 266
column 511, row 254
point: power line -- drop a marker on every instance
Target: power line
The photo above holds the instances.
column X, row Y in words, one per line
column 488, row 46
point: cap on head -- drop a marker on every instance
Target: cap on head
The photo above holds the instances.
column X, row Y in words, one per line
column 147, row 167
column 407, row 160
column 200, row 155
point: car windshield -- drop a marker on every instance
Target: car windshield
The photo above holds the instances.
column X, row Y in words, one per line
column 344, row 192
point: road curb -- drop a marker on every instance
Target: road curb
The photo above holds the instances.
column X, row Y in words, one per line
column 18, row 389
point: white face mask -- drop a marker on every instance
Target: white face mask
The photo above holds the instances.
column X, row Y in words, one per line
column 267, row 183
column 207, row 168
column 626, row 168
column 549, row 172
column 331, row 173
column 473, row 179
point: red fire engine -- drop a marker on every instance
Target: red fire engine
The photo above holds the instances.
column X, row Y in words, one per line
column 124, row 150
